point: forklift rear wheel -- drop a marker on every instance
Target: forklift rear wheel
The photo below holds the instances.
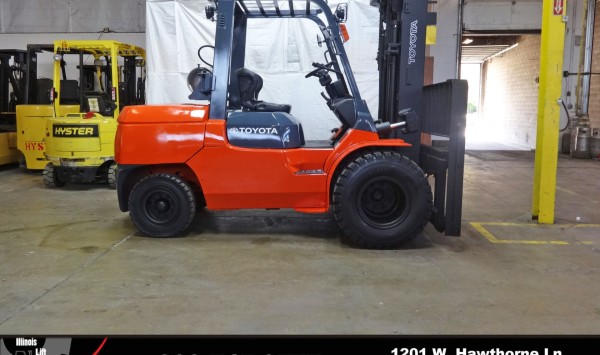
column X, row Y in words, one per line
column 162, row 205
column 51, row 178
column 381, row 200
column 111, row 176
column 22, row 162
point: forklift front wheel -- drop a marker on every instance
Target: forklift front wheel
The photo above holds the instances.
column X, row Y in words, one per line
column 381, row 200
column 162, row 205
column 51, row 178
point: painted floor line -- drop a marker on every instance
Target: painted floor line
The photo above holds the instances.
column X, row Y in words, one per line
column 479, row 226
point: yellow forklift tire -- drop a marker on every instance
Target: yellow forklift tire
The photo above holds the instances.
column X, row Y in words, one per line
column 50, row 176
column 22, row 162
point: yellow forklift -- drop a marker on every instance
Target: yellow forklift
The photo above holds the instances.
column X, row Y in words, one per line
column 13, row 64
column 79, row 145
column 34, row 108
column 17, row 77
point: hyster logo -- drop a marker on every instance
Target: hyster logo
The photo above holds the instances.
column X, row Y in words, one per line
column 35, row 145
column 75, row 131
column 412, row 53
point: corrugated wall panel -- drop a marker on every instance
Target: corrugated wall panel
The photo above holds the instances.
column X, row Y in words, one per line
column 594, row 105
column 71, row 16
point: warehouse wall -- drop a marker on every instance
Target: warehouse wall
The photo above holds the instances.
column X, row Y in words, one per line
column 511, row 92
column 502, row 15
column 67, row 16
column 512, row 109
column 594, row 106
column 445, row 48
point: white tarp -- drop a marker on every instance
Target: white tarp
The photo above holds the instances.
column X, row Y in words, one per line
column 280, row 51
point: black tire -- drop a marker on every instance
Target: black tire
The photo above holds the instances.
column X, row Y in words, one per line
column 381, row 200
column 162, row 205
column 111, row 176
column 50, row 177
column 22, row 162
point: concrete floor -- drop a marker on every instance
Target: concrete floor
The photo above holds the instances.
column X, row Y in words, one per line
column 72, row 263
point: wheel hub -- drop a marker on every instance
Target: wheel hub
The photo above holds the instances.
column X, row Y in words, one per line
column 382, row 202
column 160, row 207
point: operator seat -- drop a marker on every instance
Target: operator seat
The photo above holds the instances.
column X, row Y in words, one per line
column 250, row 85
column 69, row 92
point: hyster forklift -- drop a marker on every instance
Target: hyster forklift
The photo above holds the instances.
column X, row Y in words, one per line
column 12, row 79
column 239, row 152
column 34, row 108
column 79, row 146
column 18, row 87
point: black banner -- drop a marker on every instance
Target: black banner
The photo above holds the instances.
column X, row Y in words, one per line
column 301, row 345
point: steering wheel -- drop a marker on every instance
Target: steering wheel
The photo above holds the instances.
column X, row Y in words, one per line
column 320, row 67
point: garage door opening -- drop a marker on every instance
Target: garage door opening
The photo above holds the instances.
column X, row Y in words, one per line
column 502, row 71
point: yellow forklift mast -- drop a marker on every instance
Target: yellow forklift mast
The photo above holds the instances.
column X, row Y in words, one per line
column 79, row 144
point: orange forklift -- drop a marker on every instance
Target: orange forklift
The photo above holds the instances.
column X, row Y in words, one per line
column 239, row 152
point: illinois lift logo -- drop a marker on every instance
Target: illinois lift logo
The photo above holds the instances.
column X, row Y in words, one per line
column 23, row 346
column 51, row 346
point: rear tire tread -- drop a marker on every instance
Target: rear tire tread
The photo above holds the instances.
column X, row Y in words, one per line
column 50, row 177
column 178, row 227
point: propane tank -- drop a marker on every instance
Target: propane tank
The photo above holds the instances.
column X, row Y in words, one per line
column 580, row 137
column 595, row 144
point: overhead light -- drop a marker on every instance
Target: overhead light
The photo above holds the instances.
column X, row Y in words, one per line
column 467, row 41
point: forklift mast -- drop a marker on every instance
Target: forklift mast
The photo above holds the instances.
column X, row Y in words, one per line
column 12, row 70
column 36, row 89
column 441, row 107
column 401, row 61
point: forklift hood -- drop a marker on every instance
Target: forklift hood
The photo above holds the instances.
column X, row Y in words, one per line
column 178, row 130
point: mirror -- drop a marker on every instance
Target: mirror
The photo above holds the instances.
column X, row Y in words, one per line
column 209, row 10
column 341, row 12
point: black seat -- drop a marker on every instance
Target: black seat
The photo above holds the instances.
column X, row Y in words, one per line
column 69, row 92
column 42, row 91
column 250, row 85
column 98, row 102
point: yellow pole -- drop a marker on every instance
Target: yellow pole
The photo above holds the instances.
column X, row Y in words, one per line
column 114, row 58
column 546, row 152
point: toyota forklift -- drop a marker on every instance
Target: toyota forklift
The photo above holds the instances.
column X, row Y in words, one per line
column 236, row 151
column 79, row 146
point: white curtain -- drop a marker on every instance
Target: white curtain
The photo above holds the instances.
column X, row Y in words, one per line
column 280, row 51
